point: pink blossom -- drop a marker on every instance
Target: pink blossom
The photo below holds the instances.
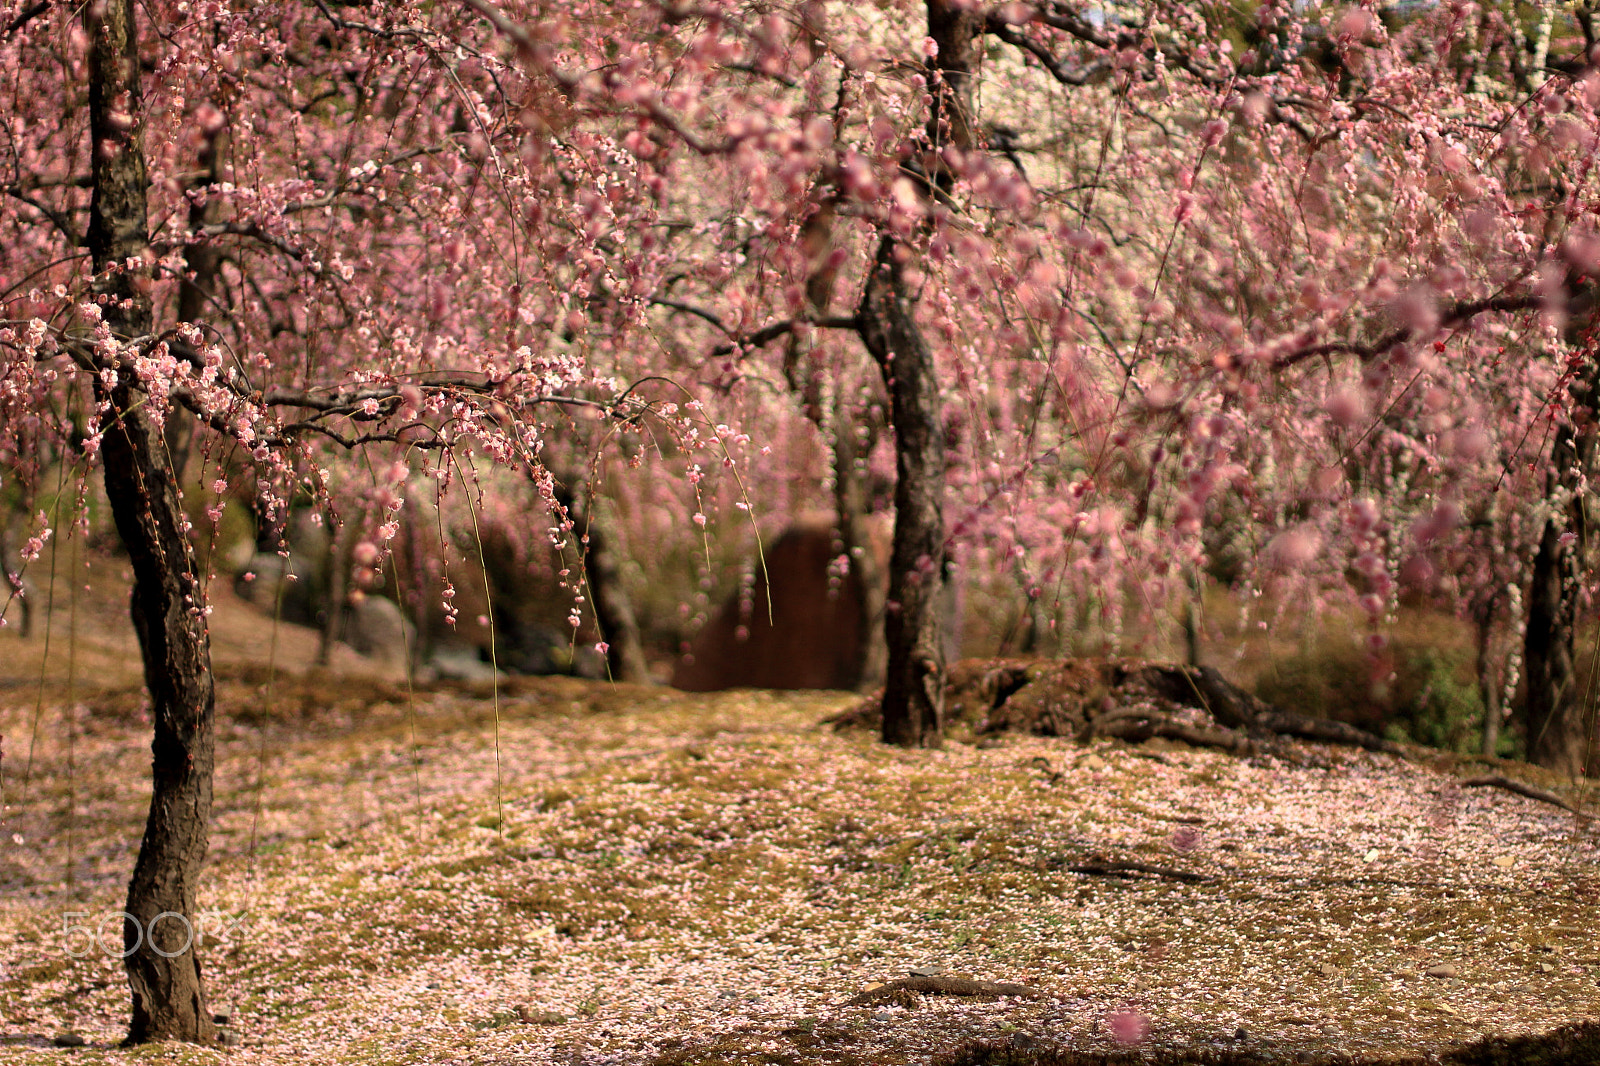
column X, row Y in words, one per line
column 1362, row 515
column 1348, row 407
column 1295, row 548
column 1443, row 518
column 1417, row 308
column 1355, row 23
column 1128, row 1027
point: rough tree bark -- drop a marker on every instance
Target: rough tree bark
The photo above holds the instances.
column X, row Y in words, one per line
column 913, row 693
column 1559, row 721
column 168, row 601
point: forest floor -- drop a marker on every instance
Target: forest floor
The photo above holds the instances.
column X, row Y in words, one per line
column 582, row 873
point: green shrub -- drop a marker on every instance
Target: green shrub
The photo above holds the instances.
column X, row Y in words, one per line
column 1437, row 703
column 1413, row 693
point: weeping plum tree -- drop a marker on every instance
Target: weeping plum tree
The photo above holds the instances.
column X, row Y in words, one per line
column 168, row 598
column 1276, row 298
column 356, row 260
column 1152, row 295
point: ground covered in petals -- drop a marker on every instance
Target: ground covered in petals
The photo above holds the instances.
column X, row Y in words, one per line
column 583, row 873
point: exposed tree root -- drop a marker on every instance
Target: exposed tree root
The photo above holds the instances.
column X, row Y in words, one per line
column 1129, row 869
column 1135, row 726
column 1497, row 781
column 1129, row 699
column 939, row 985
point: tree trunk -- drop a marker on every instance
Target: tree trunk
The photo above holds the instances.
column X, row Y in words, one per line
column 1554, row 712
column 850, row 504
column 168, row 601
column 913, row 694
column 1489, row 682
column 16, row 584
column 613, row 611
column 1559, row 721
column 334, row 568
column 956, row 28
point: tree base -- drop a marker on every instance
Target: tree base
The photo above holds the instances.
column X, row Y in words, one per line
column 1129, row 699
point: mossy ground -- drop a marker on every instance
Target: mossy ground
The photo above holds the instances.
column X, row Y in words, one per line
column 646, row 877
column 571, row 872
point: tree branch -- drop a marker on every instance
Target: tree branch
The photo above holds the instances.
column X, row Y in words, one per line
column 767, row 334
column 23, row 17
column 1457, row 314
column 60, row 220
column 1057, row 69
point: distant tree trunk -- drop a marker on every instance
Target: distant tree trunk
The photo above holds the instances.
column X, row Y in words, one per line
column 613, row 611
column 851, row 494
column 913, row 694
column 334, row 569
column 850, row 505
column 196, row 293
column 1489, row 681
column 1559, row 721
column 168, row 600
column 416, row 585
column 1193, row 630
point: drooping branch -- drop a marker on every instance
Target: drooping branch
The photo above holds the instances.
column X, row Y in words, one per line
column 1171, row 53
column 748, row 342
column 375, row 404
column 387, row 33
column 572, row 84
column 769, row 333
column 61, row 220
column 1066, row 19
column 255, row 232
